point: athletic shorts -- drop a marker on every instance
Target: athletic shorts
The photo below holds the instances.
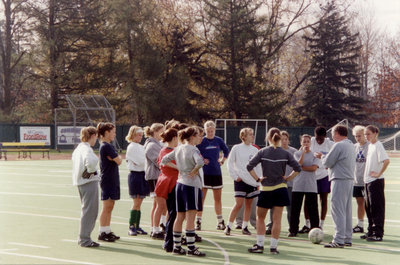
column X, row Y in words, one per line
column 138, row 185
column 213, row 182
column 358, row 191
column 244, row 190
column 110, row 191
column 270, row 199
column 324, row 185
column 188, row 198
column 152, row 186
column 164, row 186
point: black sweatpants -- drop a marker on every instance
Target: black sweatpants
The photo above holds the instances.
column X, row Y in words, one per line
column 375, row 207
column 171, row 205
column 311, row 200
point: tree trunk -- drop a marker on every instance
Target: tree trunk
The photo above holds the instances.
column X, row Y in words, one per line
column 51, row 40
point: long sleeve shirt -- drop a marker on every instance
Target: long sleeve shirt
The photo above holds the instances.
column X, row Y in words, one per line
column 238, row 159
column 340, row 160
column 210, row 149
column 135, row 157
column 187, row 157
column 83, row 158
column 323, row 148
column 152, row 150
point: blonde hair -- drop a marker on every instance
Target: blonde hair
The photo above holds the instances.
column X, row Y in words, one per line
column 155, row 127
column 133, row 131
column 305, row 136
column 209, row 124
column 274, row 137
column 244, row 132
column 358, row 128
column 87, row 132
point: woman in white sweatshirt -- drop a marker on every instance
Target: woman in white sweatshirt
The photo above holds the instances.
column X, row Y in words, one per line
column 246, row 188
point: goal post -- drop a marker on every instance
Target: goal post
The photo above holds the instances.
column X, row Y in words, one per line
column 229, row 130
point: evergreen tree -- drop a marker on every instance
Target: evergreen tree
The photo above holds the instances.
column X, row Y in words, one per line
column 334, row 76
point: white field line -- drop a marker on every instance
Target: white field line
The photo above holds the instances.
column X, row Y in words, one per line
column 48, row 258
column 226, row 256
column 27, row 245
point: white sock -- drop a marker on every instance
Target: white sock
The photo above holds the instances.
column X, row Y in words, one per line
column 163, row 219
column 360, row 223
column 321, row 223
column 157, row 229
column 152, row 229
column 230, row 224
column 274, row 243
column 104, row 229
column 199, row 219
column 219, row 218
column 260, row 240
column 308, row 224
column 245, row 224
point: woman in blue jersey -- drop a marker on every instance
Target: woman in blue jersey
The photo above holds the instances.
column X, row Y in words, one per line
column 274, row 194
column 210, row 148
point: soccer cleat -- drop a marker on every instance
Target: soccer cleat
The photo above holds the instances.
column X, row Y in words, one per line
column 162, row 227
column 221, row 225
column 304, row 230
column 197, row 238
column 365, row 236
column 268, row 230
column 374, row 238
column 273, row 251
column 227, row 231
column 348, row 244
column 198, row 225
column 238, row 227
column 196, row 252
column 132, row 231
column 140, row 231
column 167, row 249
column 114, row 236
column 92, row 245
column 358, row 229
column 106, row 237
column 245, row 231
column 292, row 235
column 183, row 240
column 178, row 251
column 158, row 235
column 256, row 249
column 334, row 245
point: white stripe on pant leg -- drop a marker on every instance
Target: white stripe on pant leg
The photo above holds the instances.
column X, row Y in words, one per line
column 196, row 197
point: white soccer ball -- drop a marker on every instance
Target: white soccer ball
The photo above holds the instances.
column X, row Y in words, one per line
column 316, row 235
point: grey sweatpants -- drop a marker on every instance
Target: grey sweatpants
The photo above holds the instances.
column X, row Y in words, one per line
column 341, row 209
column 253, row 216
column 89, row 194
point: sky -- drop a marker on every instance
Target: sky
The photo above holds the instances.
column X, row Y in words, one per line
column 387, row 14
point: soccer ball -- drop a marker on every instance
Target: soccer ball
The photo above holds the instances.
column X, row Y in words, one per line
column 316, row 235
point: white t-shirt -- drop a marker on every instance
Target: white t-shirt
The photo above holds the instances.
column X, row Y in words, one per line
column 323, row 148
column 375, row 157
column 135, row 157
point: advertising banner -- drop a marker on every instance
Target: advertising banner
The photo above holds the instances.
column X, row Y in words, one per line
column 67, row 135
column 34, row 135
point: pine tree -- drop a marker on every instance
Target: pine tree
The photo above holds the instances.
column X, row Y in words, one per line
column 334, row 76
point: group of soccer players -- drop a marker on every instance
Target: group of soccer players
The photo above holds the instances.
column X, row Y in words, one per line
column 178, row 164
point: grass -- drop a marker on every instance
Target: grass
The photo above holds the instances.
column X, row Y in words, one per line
column 40, row 210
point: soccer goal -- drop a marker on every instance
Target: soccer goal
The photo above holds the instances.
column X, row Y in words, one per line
column 391, row 142
column 229, row 129
column 344, row 122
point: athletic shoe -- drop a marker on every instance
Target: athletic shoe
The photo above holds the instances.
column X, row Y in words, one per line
column 273, row 251
column 92, row 245
column 365, row 236
column 292, row 235
column 115, row 236
column 304, row 230
column 106, row 237
column 348, row 244
column 374, row 238
column 268, row 230
column 140, row 231
column 245, row 231
column 183, row 240
column 256, row 249
column 132, row 231
column 238, row 227
column 178, row 251
column 227, row 231
column 358, row 229
column 168, row 249
column 162, row 227
column 334, row 245
column 221, row 225
column 196, row 252
column 198, row 225
column 158, row 235
column 197, row 238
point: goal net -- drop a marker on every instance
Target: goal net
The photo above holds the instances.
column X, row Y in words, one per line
column 229, row 129
column 391, row 142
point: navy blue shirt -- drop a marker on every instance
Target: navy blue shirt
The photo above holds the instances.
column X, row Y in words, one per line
column 108, row 169
column 210, row 149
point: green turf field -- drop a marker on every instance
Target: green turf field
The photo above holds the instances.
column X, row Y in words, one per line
column 40, row 209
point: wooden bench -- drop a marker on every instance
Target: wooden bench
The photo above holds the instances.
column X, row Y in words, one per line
column 24, row 149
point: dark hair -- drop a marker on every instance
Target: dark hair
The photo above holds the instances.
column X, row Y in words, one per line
column 187, row 133
column 320, row 131
column 180, row 126
column 373, row 129
column 285, row 133
column 171, row 124
column 169, row 134
column 341, row 130
column 274, row 136
column 103, row 127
